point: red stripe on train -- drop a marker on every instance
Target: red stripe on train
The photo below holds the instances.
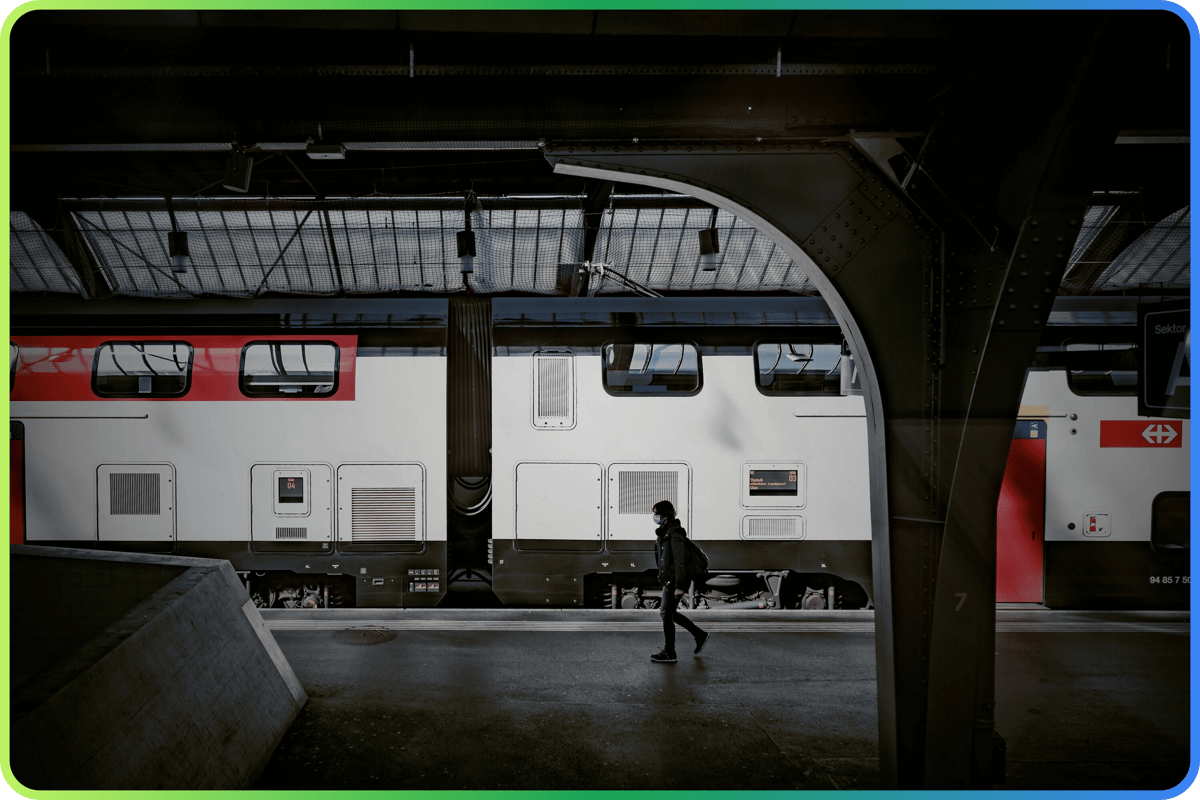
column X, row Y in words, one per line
column 60, row 367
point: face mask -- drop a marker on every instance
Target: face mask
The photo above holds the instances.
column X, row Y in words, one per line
column 657, row 519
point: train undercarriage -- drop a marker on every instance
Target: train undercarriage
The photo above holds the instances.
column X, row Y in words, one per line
column 723, row 591
column 744, row 589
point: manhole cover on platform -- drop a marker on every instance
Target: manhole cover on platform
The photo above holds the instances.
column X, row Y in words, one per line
column 364, row 636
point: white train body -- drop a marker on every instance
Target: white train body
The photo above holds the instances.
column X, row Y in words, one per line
column 561, row 487
column 346, row 494
column 212, row 465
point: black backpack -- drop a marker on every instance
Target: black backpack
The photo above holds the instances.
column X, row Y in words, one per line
column 696, row 561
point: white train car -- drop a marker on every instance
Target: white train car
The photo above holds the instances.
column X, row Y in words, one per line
column 732, row 413
column 1114, row 505
column 372, row 459
column 300, row 458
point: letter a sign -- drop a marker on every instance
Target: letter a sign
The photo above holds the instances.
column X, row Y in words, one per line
column 1165, row 358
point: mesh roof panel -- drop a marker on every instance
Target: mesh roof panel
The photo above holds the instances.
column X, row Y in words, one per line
column 1160, row 257
column 36, row 262
column 244, row 247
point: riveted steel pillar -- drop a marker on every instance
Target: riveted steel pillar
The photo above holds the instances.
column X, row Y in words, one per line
column 878, row 260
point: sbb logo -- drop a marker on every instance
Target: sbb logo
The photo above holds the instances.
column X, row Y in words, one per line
column 1140, row 433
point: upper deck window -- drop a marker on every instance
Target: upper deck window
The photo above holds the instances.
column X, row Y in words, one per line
column 142, row 369
column 13, row 352
column 651, row 369
column 1102, row 369
column 289, row 369
column 792, row 368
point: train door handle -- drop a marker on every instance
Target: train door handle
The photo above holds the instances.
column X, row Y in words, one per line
column 1033, row 536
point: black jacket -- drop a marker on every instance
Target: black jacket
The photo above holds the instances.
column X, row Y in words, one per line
column 671, row 550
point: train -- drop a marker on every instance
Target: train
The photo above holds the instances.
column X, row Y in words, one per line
column 388, row 453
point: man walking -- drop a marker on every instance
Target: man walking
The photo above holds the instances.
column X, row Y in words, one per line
column 671, row 550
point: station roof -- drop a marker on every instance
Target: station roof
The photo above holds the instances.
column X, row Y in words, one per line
column 113, row 112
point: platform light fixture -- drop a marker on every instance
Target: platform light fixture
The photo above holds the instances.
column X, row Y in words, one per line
column 466, row 251
column 466, row 239
column 325, row 152
column 709, row 246
column 177, row 246
column 237, row 171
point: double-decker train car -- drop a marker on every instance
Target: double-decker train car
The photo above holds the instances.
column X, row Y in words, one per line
column 314, row 462
column 733, row 413
column 379, row 459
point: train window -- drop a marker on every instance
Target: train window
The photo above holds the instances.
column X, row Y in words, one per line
column 1171, row 521
column 792, row 368
column 142, row 369
column 651, row 369
column 1101, row 369
column 13, row 352
column 289, row 369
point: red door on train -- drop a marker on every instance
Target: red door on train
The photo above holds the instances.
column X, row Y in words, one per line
column 1020, row 516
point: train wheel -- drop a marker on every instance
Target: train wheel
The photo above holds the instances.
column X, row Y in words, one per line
column 813, row 599
column 262, row 596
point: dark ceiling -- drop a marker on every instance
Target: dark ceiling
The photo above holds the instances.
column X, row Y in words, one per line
column 157, row 79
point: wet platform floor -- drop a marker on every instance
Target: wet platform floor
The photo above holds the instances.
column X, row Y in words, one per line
column 542, row 700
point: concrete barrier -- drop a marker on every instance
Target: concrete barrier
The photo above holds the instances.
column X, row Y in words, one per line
column 137, row 671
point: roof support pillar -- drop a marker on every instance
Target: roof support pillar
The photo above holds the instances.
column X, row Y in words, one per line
column 943, row 328
column 597, row 195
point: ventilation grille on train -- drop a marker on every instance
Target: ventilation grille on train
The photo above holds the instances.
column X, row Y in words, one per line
column 291, row 533
column 383, row 515
column 639, row 491
column 133, row 493
column 772, row 528
column 554, row 388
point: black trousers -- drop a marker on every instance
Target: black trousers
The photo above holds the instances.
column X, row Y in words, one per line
column 668, row 612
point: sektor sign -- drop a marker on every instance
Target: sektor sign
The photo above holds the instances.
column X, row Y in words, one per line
column 1166, row 360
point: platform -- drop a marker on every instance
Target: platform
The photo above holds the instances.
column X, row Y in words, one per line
column 543, row 700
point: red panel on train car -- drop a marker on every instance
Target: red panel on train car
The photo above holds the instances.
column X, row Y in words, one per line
column 60, row 367
column 1140, row 433
column 1020, row 515
column 16, row 491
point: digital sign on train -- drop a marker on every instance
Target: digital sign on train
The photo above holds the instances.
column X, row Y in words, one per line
column 773, row 483
column 291, row 489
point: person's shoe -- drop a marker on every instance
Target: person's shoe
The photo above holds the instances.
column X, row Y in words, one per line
column 663, row 657
column 701, row 641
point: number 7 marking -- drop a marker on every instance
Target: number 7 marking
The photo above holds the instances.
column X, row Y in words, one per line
column 963, row 595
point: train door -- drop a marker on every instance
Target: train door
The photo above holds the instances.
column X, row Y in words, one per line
column 558, row 506
column 1020, row 516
